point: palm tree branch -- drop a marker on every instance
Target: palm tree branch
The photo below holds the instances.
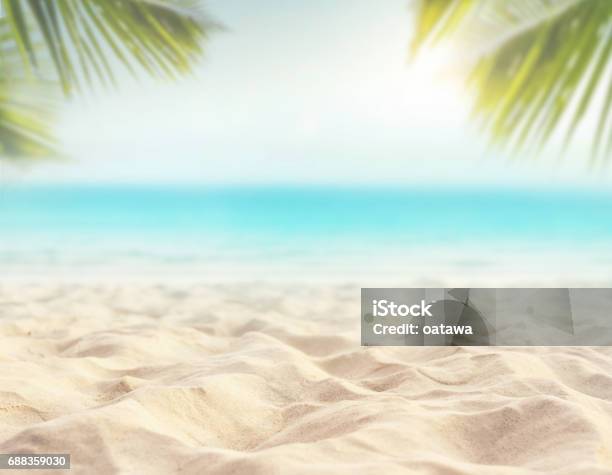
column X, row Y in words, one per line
column 541, row 71
column 24, row 119
column 162, row 36
column 79, row 42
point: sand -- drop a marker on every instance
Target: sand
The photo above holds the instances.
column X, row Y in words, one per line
column 265, row 379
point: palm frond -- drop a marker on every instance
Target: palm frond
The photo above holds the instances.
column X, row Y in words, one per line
column 77, row 43
column 86, row 38
column 541, row 68
column 27, row 104
column 25, row 116
column 437, row 19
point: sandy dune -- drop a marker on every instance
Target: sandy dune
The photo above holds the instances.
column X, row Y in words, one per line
column 266, row 379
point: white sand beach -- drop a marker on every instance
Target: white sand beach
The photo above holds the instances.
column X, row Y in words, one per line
column 266, row 379
column 193, row 194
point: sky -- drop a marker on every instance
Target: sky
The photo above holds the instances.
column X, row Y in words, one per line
column 297, row 92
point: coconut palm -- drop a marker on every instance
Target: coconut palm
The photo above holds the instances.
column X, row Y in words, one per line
column 539, row 65
column 48, row 46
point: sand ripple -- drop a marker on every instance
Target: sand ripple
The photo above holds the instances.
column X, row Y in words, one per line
column 261, row 380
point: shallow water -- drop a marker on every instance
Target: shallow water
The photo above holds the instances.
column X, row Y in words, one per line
column 270, row 230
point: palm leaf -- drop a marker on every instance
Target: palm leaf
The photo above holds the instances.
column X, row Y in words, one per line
column 27, row 104
column 83, row 37
column 24, row 122
column 437, row 19
column 80, row 43
column 543, row 67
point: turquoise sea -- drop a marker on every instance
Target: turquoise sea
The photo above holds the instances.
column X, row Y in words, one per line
column 287, row 230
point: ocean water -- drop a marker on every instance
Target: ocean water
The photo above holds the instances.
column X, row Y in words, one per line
column 291, row 232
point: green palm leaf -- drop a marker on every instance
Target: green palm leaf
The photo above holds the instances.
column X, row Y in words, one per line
column 86, row 38
column 26, row 104
column 546, row 63
column 25, row 113
column 82, row 43
column 437, row 19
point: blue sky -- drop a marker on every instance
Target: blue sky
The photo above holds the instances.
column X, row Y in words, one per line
column 294, row 91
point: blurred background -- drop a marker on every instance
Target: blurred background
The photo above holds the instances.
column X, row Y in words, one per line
column 451, row 142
